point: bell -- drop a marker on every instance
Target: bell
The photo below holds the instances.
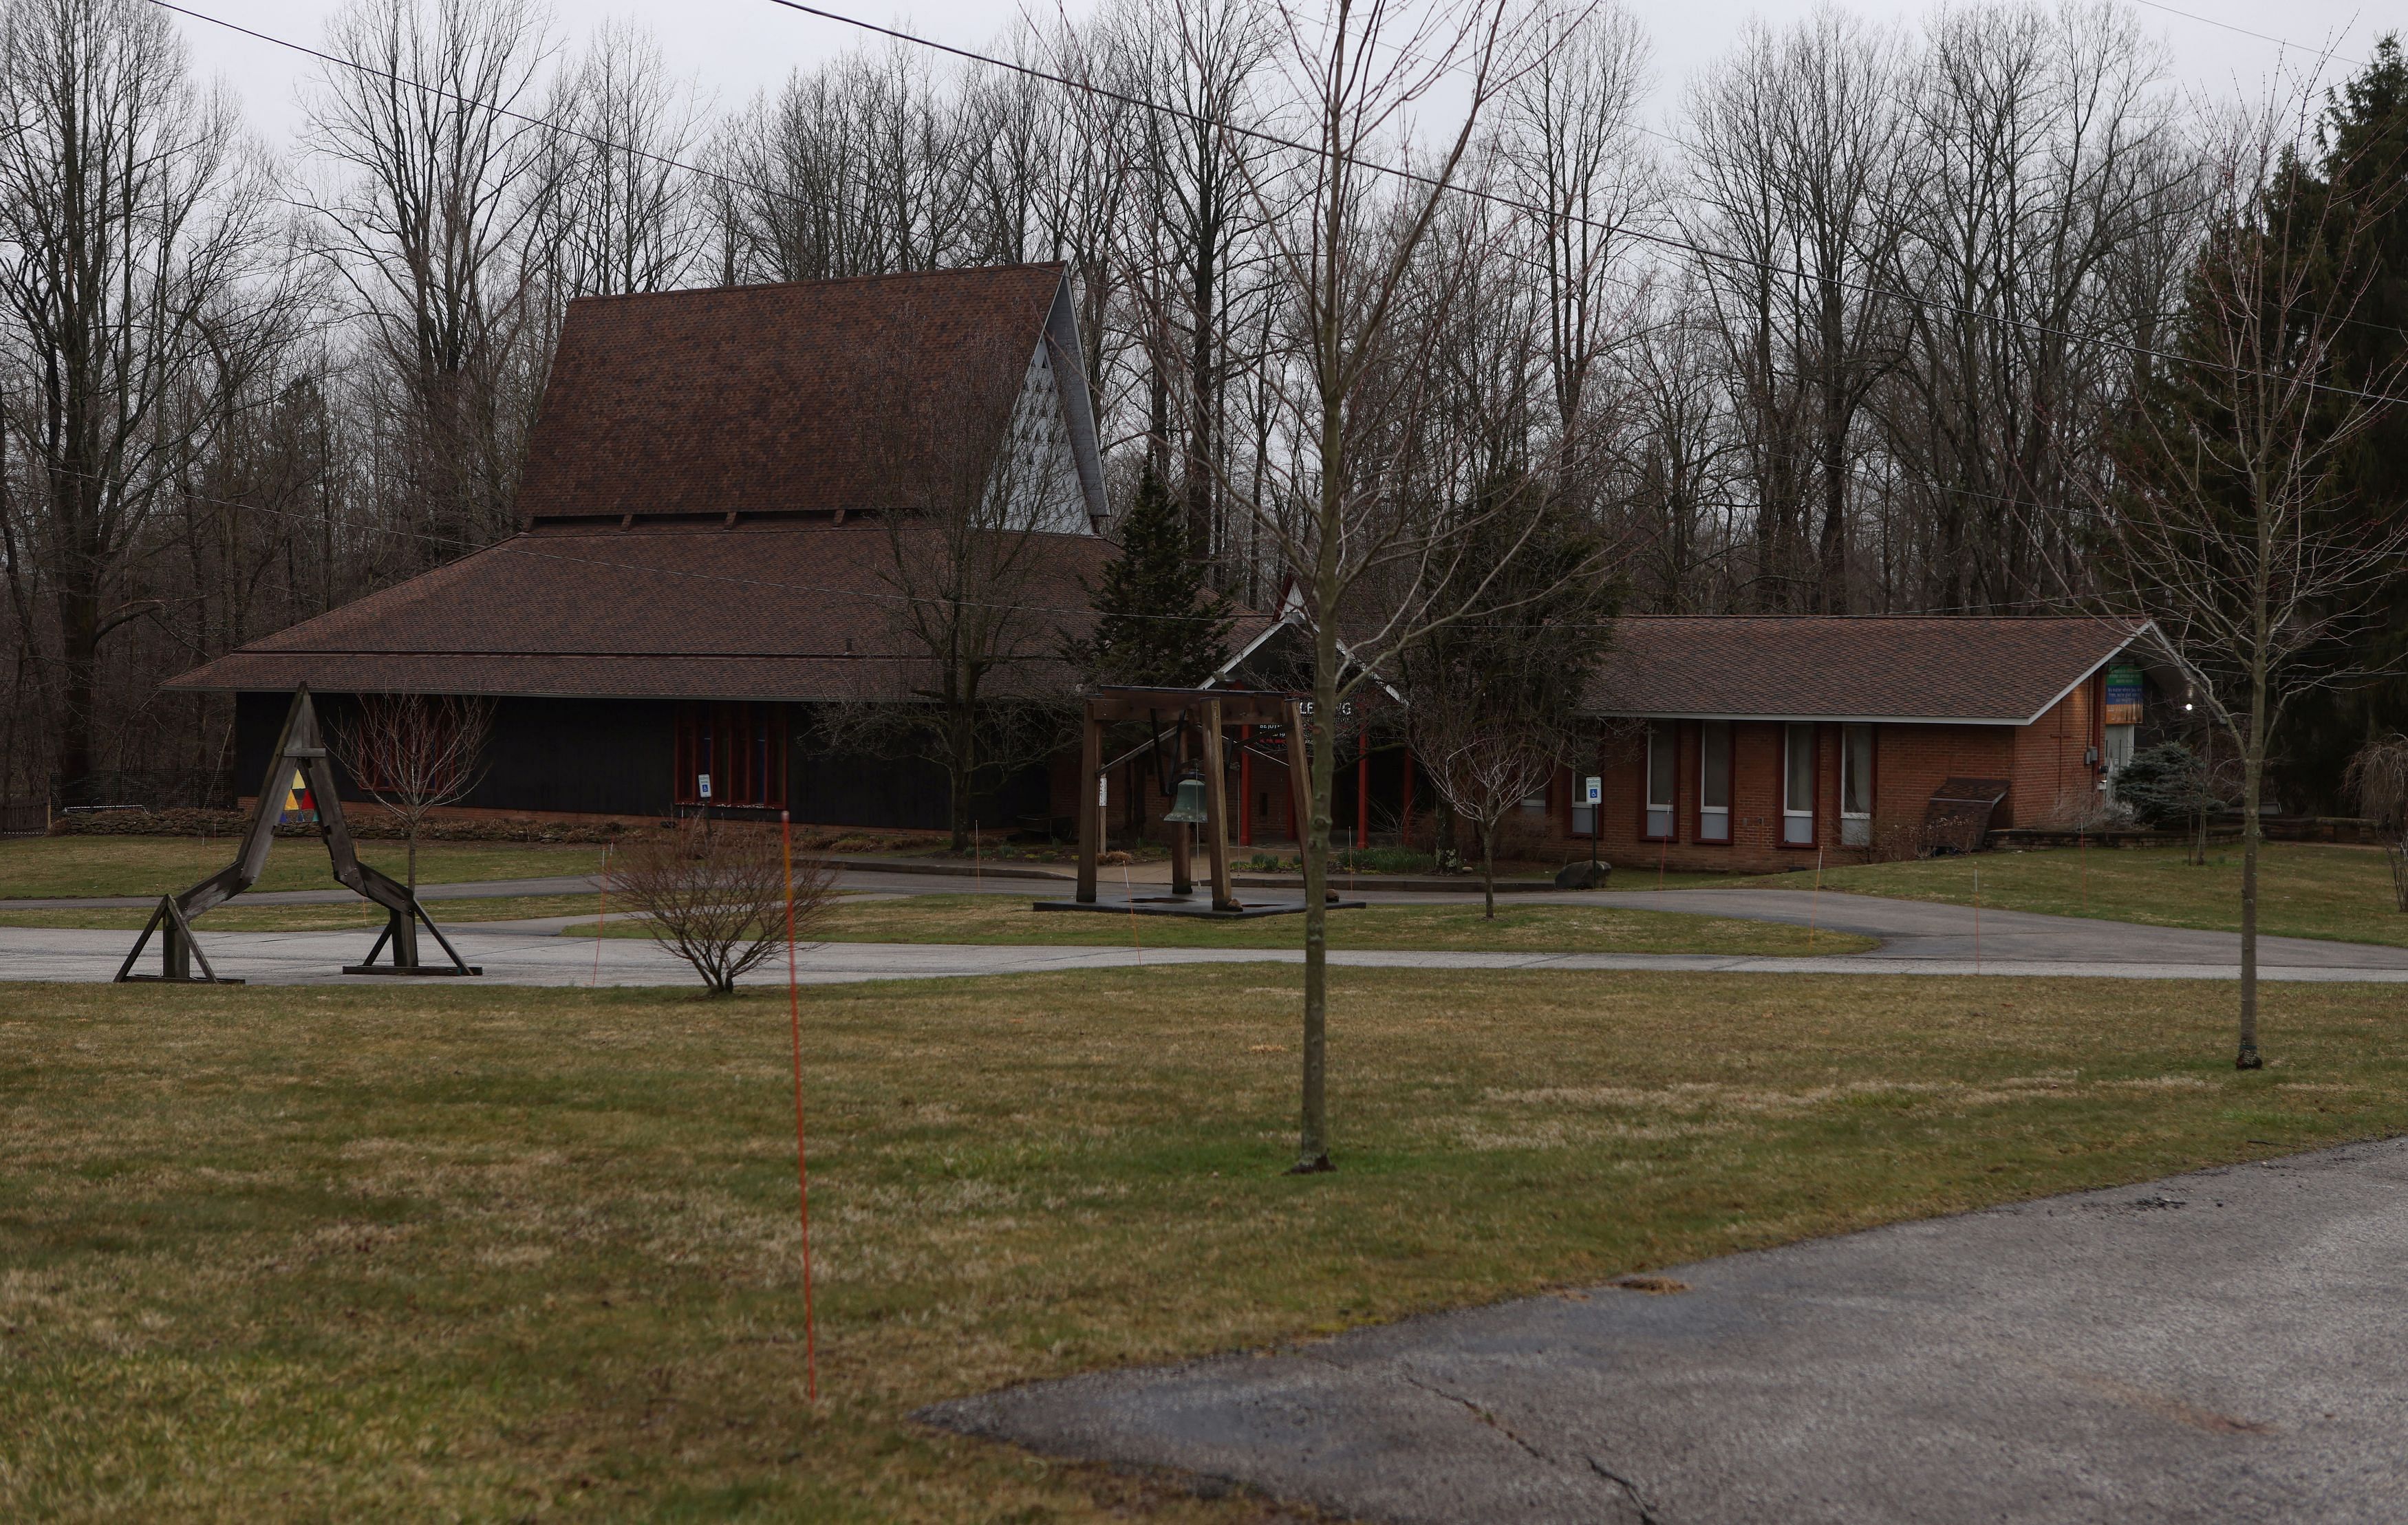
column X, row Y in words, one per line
column 1188, row 808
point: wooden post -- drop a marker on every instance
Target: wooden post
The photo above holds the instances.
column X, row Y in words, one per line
column 1091, row 809
column 1405, row 819
column 1216, row 808
column 1182, row 857
column 1245, row 786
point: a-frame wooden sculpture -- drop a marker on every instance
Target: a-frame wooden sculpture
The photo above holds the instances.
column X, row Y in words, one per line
column 300, row 780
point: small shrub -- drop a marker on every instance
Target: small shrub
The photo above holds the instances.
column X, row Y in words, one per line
column 717, row 892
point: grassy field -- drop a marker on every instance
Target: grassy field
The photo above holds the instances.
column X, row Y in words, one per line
column 2305, row 888
column 62, row 867
column 1555, row 929
column 343, row 1253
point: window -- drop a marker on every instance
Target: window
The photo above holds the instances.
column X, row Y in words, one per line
column 1857, row 786
column 1713, row 781
column 1797, row 786
column 730, row 754
column 1663, row 767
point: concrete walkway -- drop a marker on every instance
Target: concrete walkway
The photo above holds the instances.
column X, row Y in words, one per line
column 2221, row 1347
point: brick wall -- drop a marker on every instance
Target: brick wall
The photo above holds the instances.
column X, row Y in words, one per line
column 2045, row 764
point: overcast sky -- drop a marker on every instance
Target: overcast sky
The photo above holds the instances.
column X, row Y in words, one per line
column 734, row 47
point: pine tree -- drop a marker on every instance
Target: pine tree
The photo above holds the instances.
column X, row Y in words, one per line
column 1157, row 623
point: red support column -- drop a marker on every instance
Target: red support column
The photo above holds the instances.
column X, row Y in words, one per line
column 1245, row 786
column 1363, row 795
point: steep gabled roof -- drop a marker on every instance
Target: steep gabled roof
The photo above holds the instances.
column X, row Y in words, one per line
column 781, row 399
column 767, row 611
column 1957, row 669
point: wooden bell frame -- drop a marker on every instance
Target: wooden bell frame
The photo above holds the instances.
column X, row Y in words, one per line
column 1208, row 713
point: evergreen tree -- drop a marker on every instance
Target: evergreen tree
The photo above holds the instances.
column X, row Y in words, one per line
column 2362, row 152
column 1156, row 621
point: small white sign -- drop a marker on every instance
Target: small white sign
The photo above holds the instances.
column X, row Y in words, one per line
column 1593, row 791
column 1103, row 790
column 702, row 786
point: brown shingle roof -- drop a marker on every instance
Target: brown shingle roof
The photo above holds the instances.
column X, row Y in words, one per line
column 757, row 611
column 1965, row 669
column 768, row 399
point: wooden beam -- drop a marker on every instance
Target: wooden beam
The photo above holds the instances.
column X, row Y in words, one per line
column 1216, row 809
column 1299, row 785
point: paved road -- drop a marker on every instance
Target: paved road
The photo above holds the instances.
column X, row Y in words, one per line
column 1915, row 938
column 2222, row 1347
column 530, row 953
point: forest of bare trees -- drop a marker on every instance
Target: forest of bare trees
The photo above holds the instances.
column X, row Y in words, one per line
column 1854, row 326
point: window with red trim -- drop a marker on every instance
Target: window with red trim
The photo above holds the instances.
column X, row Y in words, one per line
column 731, row 754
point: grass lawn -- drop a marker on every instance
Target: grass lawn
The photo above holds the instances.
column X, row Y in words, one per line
column 238, row 916
column 1555, row 929
column 62, row 867
column 2305, row 889
column 286, row 1254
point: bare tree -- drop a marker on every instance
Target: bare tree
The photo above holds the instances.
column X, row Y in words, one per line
column 413, row 753
column 2378, row 781
column 2222, row 526
column 1803, row 159
column 429, row 118
column 719, row 893
column 985, row 494
column 1349, row 257
column 1568, row 133
column 625, row 216
column 131, row 223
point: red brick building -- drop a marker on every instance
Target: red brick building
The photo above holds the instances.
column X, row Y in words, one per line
column 1755, row 743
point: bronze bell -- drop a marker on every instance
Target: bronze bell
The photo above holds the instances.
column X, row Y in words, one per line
column 1187, row 809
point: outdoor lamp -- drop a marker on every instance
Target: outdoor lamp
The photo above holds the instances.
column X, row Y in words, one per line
column 1188, row 808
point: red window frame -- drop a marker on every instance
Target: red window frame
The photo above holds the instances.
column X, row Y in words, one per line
column 743, row 748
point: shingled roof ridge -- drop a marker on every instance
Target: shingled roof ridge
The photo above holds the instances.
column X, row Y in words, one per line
column 956, row 272
column 1868, row 619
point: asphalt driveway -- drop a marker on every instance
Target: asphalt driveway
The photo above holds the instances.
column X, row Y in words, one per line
column 2226, row 1346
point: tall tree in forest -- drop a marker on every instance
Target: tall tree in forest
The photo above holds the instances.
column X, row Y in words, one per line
column 2224, row 523
column 444, row 173
column 130, row 221
column 1157, row 621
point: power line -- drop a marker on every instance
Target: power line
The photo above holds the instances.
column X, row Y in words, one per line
column 1089, row 87
column 2261, row 36
column 1638, row 234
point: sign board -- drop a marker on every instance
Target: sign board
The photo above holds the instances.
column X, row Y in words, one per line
column 1103, row 790
column 2123, row 703
column 1592, row 790
column 702, row 786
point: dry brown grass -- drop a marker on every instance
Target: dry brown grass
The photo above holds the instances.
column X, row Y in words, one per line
column 368, row 1253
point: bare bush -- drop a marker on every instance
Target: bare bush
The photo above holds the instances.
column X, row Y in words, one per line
column 718, row 892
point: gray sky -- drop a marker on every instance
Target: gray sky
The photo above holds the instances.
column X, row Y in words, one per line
column 734, row 47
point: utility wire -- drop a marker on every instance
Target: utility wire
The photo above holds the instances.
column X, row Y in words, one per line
column 1641, row 235
column 1412, row 176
